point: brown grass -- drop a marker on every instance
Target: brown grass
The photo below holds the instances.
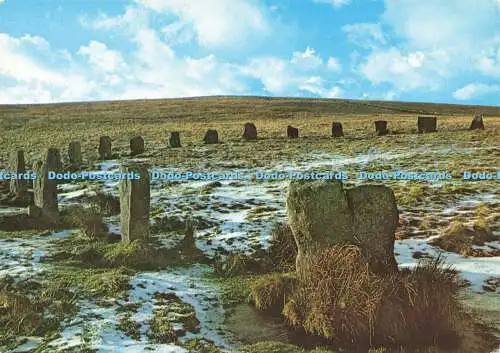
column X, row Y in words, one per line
column 283, row 248
column 341, row 300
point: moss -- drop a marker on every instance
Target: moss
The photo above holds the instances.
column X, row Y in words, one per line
column 129, row 327
column 96, row 283
column 199, row 345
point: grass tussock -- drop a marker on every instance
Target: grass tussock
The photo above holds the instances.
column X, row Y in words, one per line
column 341, row 300
column 136, row 255
column 338, row 297
column 283, row 249
column 271, row 292
column 32, row 309
column 460, row 239
column 234, row 264
column 105, row 204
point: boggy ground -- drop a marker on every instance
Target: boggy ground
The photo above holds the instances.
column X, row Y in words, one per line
column 93, row 295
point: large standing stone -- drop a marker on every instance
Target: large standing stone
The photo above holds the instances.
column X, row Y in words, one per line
column 136, row 145
column 337, row 130
column 105, row 147
column 319, row 215
column 211, row 137
column 134, row 204
column 292, row 132
column 376, row 218
column 427, row 124
column 477, row 123
column 175, row 139
column 322, row 213
column 45, row 191
column 381, row 127
column 249, row 131
column 18, row 186
column 75, row 154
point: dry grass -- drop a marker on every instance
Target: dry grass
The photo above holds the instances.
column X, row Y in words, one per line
column 270, row 293
column 282, row 249
column 460, row 238
column 341, row 300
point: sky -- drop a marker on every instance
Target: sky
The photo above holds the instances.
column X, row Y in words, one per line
column 412, row 50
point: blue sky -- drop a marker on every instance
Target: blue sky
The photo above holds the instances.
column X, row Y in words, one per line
column 412, row 50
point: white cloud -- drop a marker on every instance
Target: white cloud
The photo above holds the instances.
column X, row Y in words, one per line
column 335, row 3
column 333, row 64
column 429, row 43
column 474, row 90
column 304, row 71
column 307, row 60
column 404, row 71
column 217, row 22
column 101, row 57
column 16, row 64
column 366, row 35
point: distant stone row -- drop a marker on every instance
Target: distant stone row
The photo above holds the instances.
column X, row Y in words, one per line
column 424, row 124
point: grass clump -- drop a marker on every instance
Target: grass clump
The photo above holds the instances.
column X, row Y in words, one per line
column 337, row 298
column 341, row 300
column 270, row 292
column 32, row 309
column 129, row 327
column 105, row 204
column 111, row 283
column 459, row 238
column 283, row 248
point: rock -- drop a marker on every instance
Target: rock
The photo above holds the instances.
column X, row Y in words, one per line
column 211, row 137
column 175, row 139
column 136, row 145
column 45, row 190
column 322, row 213
column 249, row 131
column 477, row 123
column 53, row 160
column 381, row 127
column 134, row 204
column 105, row 147
column 316, row 211
column 292, row 132
column 427, row 124
column 376, row 219
column 337, row 130
column 75, row 154
column 189, row 241
column 18, row 187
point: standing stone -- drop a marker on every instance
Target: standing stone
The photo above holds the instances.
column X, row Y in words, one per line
column 249, row 131
column 376, row 218
column 45, row 192
column 477, row 123
column 337, row 130
column 75, row 154
column 134, row 204
column 53, row 160
column 136, row 145
column 105, row 147
column 322, row 213
column 427, row 124
column 18, row 187
column 175, row 139
column 292, row 132
column 211, row 137
column 381, row 127
column 319, row 215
